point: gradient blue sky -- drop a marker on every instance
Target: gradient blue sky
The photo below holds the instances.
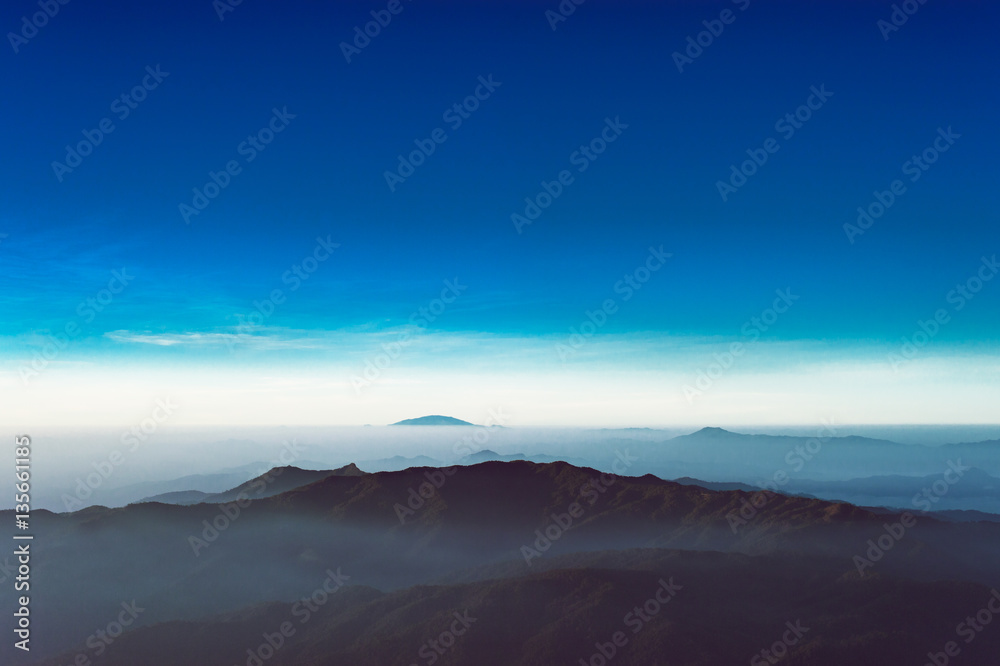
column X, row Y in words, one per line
column 497, row 343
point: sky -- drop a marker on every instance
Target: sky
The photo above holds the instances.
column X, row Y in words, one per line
column 324, row 282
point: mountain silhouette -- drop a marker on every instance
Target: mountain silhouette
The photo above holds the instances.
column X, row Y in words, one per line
column 434, row 420
column 391, row 531
column 273, row 482
column 671, row 607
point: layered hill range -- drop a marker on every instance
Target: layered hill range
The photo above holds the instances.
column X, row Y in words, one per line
column 826, row 465
column 507, row 563
column 274, row 482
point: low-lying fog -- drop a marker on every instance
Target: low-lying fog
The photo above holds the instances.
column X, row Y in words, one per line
column 78, row 468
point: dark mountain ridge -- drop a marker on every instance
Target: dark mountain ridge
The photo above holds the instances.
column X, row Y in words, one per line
column 273, row 482
column 393, row 530
column 669, row 607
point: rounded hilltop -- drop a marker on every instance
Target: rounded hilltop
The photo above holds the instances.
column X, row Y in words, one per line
column 433, row 420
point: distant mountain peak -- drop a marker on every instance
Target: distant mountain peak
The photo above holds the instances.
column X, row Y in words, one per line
column 486, row 455
column 715, row 432
column 434, row 420
column 349, row 470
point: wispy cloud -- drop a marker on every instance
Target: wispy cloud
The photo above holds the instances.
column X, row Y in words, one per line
column 261, row 341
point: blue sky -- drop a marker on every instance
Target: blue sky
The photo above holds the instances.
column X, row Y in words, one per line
column 655, row 185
